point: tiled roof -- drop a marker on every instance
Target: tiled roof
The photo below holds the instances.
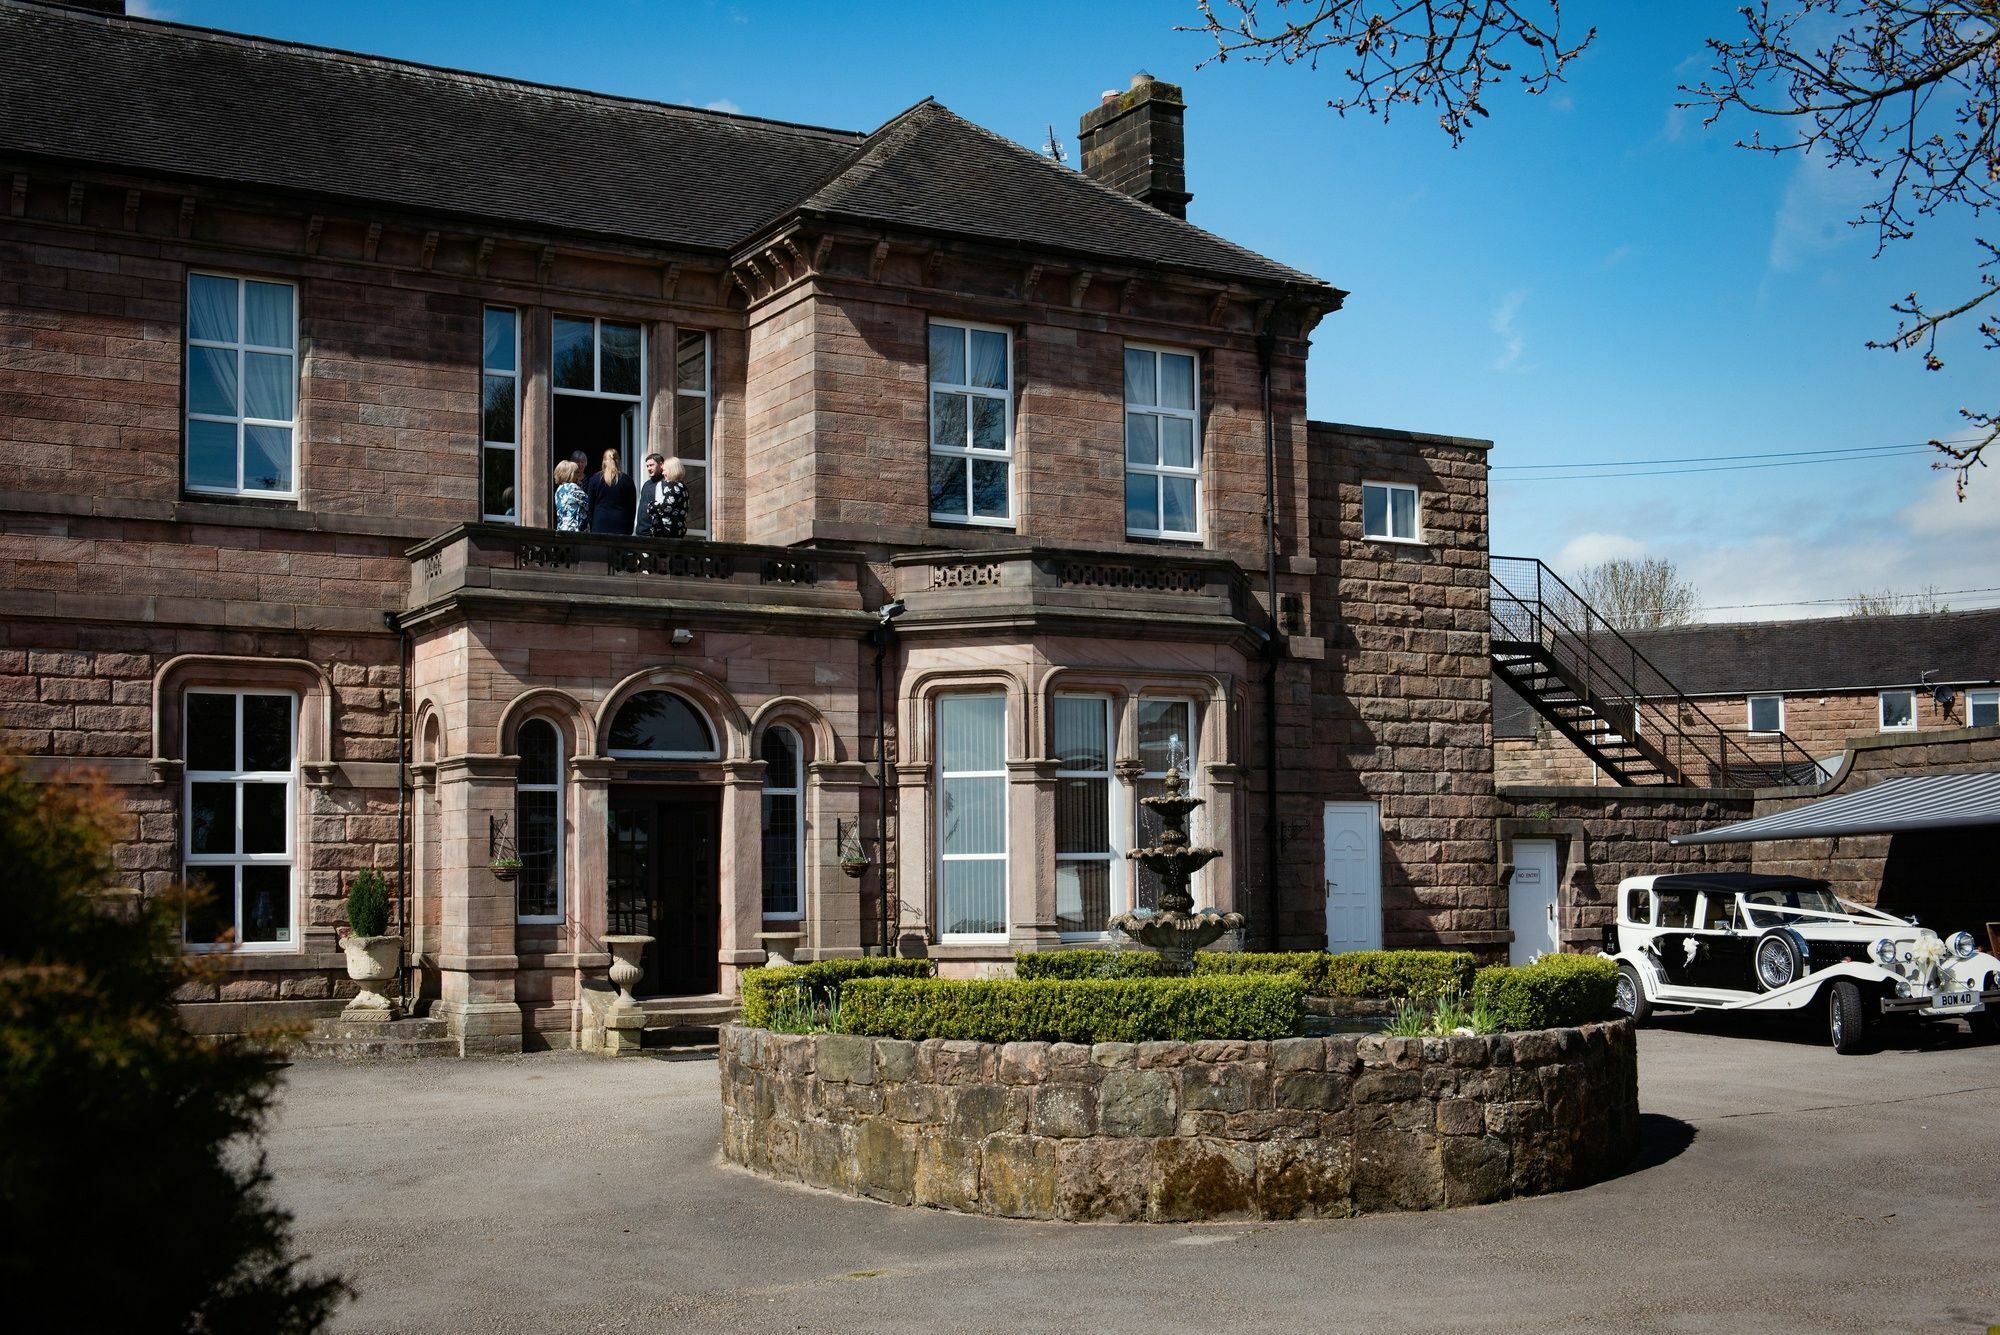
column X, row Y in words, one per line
column 1827, row 653
column 141, row 95
column 934, row 170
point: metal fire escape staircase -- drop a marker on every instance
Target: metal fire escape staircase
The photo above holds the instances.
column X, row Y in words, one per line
column 1578, row 672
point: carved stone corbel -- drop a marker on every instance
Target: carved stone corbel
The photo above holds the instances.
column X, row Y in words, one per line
column 933, row 260
column 545, row 265
column 185, row 227
column 131, row 210
column 877, row 260
column 430, row 249
column 670, row 280
column 372, row 242
column 822, row 253
column 1217, row 306
column 75, row 210
column 314, row 226
column 1030, row 281
column 1077, row 287
column 17, row 203
column 484, row 258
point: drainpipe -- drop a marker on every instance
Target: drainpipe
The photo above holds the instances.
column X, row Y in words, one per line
column 882, row 635
column 1267, row 918
column 394, row 623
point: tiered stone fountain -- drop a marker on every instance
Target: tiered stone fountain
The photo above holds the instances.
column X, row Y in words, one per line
column 1175, row 930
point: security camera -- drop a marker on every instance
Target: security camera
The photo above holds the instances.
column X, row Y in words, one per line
column 683, row 637
column 890, row 611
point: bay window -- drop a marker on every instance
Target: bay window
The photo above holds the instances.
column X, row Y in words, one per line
column 1088, row 864
column 972, row 815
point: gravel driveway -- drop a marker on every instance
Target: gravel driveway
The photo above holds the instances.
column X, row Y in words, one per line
column 1782, row 1188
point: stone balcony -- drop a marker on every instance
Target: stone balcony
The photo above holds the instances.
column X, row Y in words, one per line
column 1202, row 597
column 498, row 569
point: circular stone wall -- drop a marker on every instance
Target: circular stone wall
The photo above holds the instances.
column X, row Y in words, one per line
column 1292, row 1128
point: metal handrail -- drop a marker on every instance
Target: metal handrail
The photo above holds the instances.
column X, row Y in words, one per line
column 1638, row 685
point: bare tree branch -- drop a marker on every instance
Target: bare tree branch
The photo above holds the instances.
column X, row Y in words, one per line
column 1440, row 53
column 1640, row 595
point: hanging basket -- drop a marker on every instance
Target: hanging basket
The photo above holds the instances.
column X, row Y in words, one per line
column 501, row 872
column 854, row 870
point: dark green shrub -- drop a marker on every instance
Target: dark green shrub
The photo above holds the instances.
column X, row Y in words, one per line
column 368, row 905
column 1074, row 964
column 815, row 987
column 1095, row 1010
column 1309, row 965
column 1555, row 991
column 110, row 1110
column 1399, row 975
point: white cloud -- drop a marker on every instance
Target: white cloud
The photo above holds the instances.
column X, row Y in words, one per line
column 1504, row 323
column 1940, row 514
column 147, row 9
column 1617, row 257
column 1590, row 549
column 1812, row 219
column 722, row 104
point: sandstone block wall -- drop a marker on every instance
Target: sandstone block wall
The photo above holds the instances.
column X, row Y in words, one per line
column 1287, row 1129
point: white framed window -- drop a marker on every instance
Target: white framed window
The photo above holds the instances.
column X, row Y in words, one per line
column 597, row 383
column 1982, row 708
column 500, row 418
column 242, row 382
column 538, row 823
column 238, row 798
column 1899, row 711
column 784, row 824
column 692, row 396
column 1767, row 713
column 1166, row 739
column 972, row 424
column 1089, row 867
column 972, row 817
column 659, row 725
column 1389, row 512
column 1162, row 443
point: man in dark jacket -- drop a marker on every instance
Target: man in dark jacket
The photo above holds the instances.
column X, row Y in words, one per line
column 649, row 497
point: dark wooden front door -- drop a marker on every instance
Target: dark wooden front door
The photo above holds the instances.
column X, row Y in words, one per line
column 664, row 884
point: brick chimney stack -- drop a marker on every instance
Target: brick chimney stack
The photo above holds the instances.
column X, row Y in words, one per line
column 1136, row 141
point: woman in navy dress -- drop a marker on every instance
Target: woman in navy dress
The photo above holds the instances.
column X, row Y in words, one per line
column 614, row 500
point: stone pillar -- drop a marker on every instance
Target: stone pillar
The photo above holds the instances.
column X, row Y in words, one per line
column 915, row 824
column 537, row 421
column 476, row 959
column 833, row 926
column 423, row 863
column 1031, row 855
column 1220, row 825
column 742, row 869
column 588, row 838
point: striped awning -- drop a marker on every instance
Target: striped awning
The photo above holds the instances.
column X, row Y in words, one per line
column 1919, row 802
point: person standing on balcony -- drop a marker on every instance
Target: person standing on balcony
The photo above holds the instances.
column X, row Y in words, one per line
column 649, row 498
column 669, row 513
column 572, row 502
column 613, row 498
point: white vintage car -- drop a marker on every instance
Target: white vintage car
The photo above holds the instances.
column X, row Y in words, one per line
column 1737, row 942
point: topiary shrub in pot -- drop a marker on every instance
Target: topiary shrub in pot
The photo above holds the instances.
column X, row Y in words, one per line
column 372, row 954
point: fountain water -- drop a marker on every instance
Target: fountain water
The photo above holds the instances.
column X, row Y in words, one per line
column 1175, row 930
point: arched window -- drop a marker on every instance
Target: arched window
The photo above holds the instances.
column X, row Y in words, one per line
column 660, row 723
column 784, row 824
column 538, row 827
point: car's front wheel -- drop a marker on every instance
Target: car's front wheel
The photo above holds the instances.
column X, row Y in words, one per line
column 1631, row 996
column 1846, row 1017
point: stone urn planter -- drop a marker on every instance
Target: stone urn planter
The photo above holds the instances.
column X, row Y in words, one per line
column 372, row 962
column 625, row 967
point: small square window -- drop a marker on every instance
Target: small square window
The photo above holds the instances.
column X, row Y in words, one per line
column 1767, row 713
column 1899, row 711
column 1982, row 709
column 1389, row 512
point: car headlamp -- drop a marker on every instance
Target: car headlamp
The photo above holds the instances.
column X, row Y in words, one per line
column 1963, row 946
column 1884, row 952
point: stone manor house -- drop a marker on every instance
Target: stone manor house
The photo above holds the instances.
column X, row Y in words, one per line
column 1004, row 502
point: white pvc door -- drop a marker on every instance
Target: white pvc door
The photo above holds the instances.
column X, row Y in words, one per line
column 1353, row 876
column 1531, row 900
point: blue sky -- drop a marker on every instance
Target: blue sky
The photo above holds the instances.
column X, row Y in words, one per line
column 1592, row 277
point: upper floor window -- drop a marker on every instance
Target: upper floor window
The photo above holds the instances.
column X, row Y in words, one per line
column 1899, row 711
column 784, row 825
column 691, row 424
column 1162, row 444
column 237, row 804
column 500, row 418
column 538, row 823
column 1389, row 512
column 1982, row 708
column 598, row 382
column 972, row 424
column 972, row 815
column 242, row 386
column 1767, row 713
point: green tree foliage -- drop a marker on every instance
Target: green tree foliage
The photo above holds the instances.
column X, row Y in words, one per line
column 368, row 905
column 132, row 1196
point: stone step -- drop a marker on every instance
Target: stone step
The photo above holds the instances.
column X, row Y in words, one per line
column 406, row 1039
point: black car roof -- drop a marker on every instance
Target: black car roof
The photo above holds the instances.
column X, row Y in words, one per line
column 1734, row 882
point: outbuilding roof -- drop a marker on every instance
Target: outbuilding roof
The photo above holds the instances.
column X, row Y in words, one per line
column 1915, row 802
column 142, row 95
column 1825, row 654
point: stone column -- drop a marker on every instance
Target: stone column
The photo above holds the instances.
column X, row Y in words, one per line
column 915, row 823
column 1031, row 855
column 537, row 421
column 476, row 959
column 742, row 868
column 833, row 925
column 1220, row 823
column 588, row 839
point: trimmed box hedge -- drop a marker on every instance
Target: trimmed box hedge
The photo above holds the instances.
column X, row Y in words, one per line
column 1393, row 975
column 1556, row 991
column 1074, row 964
column 823, row 982
column 1092, row 1010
